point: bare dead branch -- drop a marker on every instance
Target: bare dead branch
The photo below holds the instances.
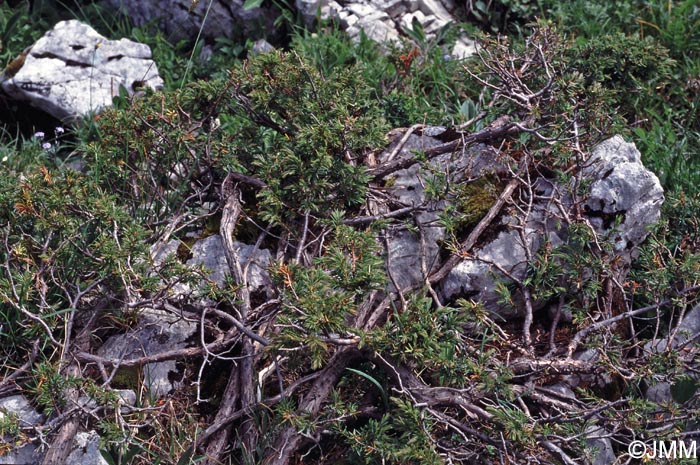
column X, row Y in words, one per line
column 402, row 142
column 484, row 135
column 240, row 389
column 63, row 441
column 288, row 441
column 245, row 179
column 581, row 335
column 302, row 241
column 524, row 365
column 558, row 452
column 5, row 382
column 369, row 219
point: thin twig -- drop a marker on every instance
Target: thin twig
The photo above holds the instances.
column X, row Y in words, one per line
column 369, row 219
column 302, row 241
column 578, row 338
column 469, row 243
column 402, row 142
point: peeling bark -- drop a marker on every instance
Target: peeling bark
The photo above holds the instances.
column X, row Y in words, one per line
column 240, row 390
column 289, row 440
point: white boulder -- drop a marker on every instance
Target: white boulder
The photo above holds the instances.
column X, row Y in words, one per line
column 73, row 70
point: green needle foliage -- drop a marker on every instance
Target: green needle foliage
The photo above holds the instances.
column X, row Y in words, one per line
column 305, row 134
column 343, row 367
column 64, row 242
column 319, row 300
column 275, row 119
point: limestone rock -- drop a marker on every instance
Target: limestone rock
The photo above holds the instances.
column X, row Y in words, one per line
column 659, row 392
column 385, row 20
column 21, row 454
column 72, row 70
column 404, row 245
column 375, row 30
column 381, row 20
column 434, row 8
column 127, row 398
column 159, row 331
column 622, row 189
column 600, row 446
column 161, row 251
column 600, row 380
column 477, row 278
column 262, row 46
column 209, row 252
column 625, row 199
column 156, row 332
column 184, row 19
column 689, row 327
column 308, row 9
column 408, row 264
column 18, row 405
column 463, row 48
column 688, row 330
column 86, row 450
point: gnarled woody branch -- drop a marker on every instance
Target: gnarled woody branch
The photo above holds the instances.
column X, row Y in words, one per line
column 582, row 334
column 504, row 129
column 240, row 389
column 289, row 440
column 62, row 443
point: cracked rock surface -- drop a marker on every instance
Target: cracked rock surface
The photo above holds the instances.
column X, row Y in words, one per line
column 381, row 20
column 183, row 19
column 84, row 448
column 624, row 200
column 622, row 189
column 73, row 70
column 385, row 20
column 157, row 331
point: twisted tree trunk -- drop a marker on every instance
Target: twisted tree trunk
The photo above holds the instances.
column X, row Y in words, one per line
column 240, row 390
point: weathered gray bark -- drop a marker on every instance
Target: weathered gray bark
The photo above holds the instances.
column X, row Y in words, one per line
column 289, row 440
column 240, row 390
column 62, row 443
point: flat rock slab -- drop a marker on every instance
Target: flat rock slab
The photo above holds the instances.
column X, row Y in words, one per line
column 73, row 70
column 157, row 332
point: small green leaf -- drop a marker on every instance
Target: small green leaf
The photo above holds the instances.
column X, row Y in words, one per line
column 250, row 4
column 468, row 109
column 373, row 381
column 10, row 27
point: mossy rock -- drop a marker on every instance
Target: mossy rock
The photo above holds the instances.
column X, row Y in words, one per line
column 127, row 378
column 475, row 199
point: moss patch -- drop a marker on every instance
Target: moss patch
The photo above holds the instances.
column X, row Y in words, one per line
column 474, row 200
column 127, row 378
